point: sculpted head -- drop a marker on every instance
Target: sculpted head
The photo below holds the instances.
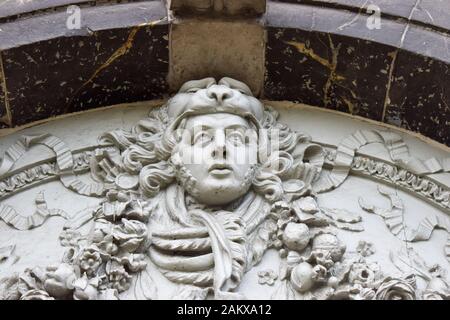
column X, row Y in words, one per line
column 216, row 150
column 215, row 139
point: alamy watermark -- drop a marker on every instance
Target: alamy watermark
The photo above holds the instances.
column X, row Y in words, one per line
column 73, row 21
column 374, row 20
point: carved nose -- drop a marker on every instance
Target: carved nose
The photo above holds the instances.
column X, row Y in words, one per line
column 219, row 93
column 219, row 151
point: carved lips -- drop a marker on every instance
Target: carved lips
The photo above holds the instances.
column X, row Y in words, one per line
column 220, row 170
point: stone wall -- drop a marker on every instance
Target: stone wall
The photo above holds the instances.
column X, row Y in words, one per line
column 321, row 53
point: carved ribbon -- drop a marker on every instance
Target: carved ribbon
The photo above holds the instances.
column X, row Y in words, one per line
column 64, row 169
column 13, row 218
column 394, row 219
column 223, row 258
column 64, row 163
column 398, row 151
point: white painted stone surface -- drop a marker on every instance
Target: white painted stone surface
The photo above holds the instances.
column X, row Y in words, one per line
column 339, row 196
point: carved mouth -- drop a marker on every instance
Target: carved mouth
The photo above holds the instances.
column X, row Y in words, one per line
column 220, row 170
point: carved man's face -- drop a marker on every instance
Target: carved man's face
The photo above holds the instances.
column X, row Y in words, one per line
column 218, row 152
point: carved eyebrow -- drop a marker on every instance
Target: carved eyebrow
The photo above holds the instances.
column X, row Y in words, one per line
column 201, row 127
column 197, row 84
column 237, row 126
column 237, row 85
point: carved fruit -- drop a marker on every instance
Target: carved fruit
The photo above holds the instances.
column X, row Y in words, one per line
column 329, row 245
column 60, row 279
column 333, row 282
column 302, row 277
column 296, row 236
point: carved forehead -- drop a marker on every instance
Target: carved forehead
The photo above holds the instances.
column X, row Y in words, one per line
column 216, row 121
column 208, row 97
column 194, row 85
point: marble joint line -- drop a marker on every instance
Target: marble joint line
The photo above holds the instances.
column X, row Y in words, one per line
column 6, row 119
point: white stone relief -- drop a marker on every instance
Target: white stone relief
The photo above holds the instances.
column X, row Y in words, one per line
column 204, row 226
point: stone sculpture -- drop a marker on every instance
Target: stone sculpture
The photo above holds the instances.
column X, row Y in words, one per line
column 200, row 190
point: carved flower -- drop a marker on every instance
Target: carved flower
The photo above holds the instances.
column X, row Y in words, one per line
column 90, row 260
column 134, row 262
column 36, row 295
column 282, row 211
column 31, row 279
column 130, row 234
column 434, row 295
column 69, row 238
column 365, row 249
column 364, row 274
column 319, row 273
column 396, row 289
column 108, row 294
column 267, row 277
column 102, row 237
column 108, row 247
column 131, row 209
column 118, row 277
column 9, row 287
column 115, row 195
column 136, row 210
column 112, row 211
column 101, row 229
column 358, row 292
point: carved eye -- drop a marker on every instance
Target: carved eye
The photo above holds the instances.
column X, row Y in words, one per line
column 202, row 138
column 236, row 138
column 192, row 90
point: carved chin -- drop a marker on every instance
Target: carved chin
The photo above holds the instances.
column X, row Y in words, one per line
column 217, row 192
column 219, row 195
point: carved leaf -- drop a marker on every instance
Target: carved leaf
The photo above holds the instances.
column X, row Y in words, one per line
column 342, row 215
column 407, row 261
column 284, row 291
column 145, row 288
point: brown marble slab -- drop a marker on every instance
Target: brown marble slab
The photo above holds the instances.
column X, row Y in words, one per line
column 217, row 48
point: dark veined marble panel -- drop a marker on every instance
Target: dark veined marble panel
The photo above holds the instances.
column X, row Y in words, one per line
column 79, row 73
column 419, row 98
column 328, row 57
column 120, row 55
column 331, row 71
